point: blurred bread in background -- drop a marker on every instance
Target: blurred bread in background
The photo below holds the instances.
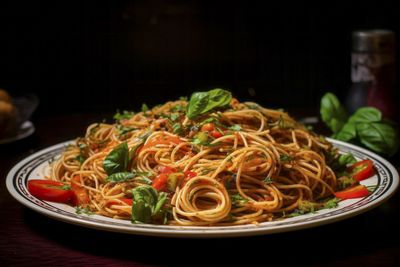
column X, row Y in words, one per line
column 4, row 96
column 8, row 114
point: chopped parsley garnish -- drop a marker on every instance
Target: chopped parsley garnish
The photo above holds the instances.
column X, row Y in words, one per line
column 177, row 128
column 332, row 203
column 174, row 116
column 237, row 198
column 268, row 180
column 124, row 129
column 284, row 157
column 124, row 115
column 201, row 139
column 83, row 210
column 145, row 108
column 178, row 108
column 80, row 158
column 235, row 127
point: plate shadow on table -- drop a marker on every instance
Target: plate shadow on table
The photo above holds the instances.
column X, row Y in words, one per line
column 340, row 243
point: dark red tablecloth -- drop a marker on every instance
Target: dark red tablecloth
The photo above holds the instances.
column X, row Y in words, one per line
column 29, row 238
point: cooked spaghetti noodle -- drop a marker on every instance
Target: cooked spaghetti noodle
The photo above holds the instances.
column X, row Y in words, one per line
column 234, row 165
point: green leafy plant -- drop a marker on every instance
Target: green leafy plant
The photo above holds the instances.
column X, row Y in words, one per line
column 365, row 126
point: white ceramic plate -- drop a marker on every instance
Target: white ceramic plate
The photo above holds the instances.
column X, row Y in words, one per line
column 386, row 181
column 26, row 129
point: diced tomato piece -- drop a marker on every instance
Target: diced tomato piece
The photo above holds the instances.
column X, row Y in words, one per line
column 362, row 170
column 80, row 196
column 160, row 182
column 216, row 134
column 208, row 127
column 353, row 192
column 50, row 190
column 189, row 174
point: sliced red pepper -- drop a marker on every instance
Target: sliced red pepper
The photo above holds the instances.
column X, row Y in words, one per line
column 362, row 170
column 80, row 196
column 50, row 190
column 353, row 192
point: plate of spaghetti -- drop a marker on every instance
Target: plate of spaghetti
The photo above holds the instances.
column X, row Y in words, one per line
column 207, row 166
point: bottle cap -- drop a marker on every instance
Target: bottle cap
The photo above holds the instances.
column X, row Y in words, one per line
column 376, row 41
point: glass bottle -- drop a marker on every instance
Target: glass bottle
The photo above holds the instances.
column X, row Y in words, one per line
column 372, row 71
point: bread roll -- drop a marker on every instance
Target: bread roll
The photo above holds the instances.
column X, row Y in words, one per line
column 4, row 96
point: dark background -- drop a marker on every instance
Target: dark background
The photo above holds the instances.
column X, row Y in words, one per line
column 96, row 56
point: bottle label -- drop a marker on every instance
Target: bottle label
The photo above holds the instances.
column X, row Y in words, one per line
column 361, row 68
column 364, row 66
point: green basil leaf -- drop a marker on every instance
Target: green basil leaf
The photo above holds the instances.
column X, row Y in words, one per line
column 219, row 98
column 147, row 203
column 117, row 160
column 145, row 193
column 120, row 177
column 347, row 132
column 160, row 202
column 141, row 212
column 197, row 104
column 145, row 179
column 203, row 102
column 332, row 112
column 366, row 114
column 379, row 137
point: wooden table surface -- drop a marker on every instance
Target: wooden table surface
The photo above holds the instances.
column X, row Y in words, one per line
column 30, row 239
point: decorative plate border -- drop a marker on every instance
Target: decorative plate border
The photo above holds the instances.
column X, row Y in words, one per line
column 387, row 181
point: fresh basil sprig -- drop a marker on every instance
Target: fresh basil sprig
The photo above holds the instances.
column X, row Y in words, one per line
column 203, row 102
column 365, row 126
column 332, row 112
column 147, row 204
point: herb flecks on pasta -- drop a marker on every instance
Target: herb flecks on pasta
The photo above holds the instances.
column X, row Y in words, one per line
column 211, row 160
